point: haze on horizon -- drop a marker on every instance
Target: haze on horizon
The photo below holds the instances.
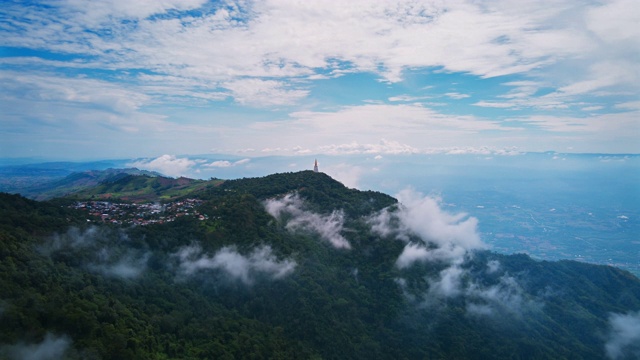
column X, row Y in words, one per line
column 128, row 79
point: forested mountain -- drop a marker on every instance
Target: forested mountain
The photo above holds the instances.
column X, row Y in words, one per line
column 293, row 266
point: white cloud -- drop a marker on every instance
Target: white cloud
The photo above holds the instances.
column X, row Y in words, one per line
column 50, row 348
column 126, row 266
column 442, row 236
column 383, row 147
column 76, row 103
column 277, row 54
column 291, row 208
column 226, row 163
column 411, row 254
column 623, row 339
column 168, row 165
column 483, row 150
column 491, row 104
column 408, row 98
column 349, row 175
column 261, row 261
column 369, row 129
column 456, row 96
column 448, row 284
column 220, row 163
column 493, row 266
column 284, row 39
column 104, row 12
column 242, row 161
column 604, row 74
column 448, row 240
column 506, row 297
column 256, row 92
column 601, row 125
column 630, row 105
column 100, row 243
column 614, row 22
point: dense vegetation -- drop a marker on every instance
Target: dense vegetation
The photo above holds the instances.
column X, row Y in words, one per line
column 246, row 284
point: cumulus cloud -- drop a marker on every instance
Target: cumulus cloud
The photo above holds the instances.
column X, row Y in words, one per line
column 493, row 266
column 328, row 227
column 348, row 175
column 220, row 163
column 278, row 39
column 240, row 267
column 410, row 254
column 448, row 283
column 52, row 347
column 506, row 297
column 447, row 242
column 623, row 339
column 256, row 92
column 271, row 53
column 438, row 235
column 226, row 163
column 100, row 250
column 169, row 165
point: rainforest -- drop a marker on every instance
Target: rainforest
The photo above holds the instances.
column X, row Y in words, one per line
column 290, row 265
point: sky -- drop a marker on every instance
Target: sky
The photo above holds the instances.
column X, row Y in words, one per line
column 147, row 78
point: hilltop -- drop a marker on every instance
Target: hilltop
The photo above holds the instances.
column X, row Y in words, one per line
column 292, row 265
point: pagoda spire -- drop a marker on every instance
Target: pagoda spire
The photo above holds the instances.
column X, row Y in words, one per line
column 315, row 166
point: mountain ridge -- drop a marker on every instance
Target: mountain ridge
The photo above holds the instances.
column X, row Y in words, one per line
column 294, row 265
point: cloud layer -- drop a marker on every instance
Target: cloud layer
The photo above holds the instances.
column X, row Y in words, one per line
column 99, row 250
column 245, row 268
column 431, row 233
column 286, row 39
column 291, row 209
column 447, row 242
column 623, row 340
column 168, row 165
column 184, row 76
column 52, row 347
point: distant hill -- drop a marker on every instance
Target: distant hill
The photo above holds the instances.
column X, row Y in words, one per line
column 141, row 187
column 29, row 179
column 79, row 181
column 291, row 266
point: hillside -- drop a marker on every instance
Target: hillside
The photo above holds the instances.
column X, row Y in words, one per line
column 34, row 179
column 294, row 266
column 49, row 186
column 142, row 188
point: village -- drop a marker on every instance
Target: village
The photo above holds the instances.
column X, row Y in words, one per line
column 140, row 214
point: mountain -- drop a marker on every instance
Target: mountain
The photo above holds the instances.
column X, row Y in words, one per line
column 291, row 265
column 33, row 178
column 47, row 188
column 139, row 186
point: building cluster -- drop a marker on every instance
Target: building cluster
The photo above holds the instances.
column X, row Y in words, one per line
column 140, row 214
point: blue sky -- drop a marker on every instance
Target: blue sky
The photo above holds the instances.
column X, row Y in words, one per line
column 160, row 79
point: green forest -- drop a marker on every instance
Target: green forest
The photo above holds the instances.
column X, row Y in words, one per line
column 287, row 266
